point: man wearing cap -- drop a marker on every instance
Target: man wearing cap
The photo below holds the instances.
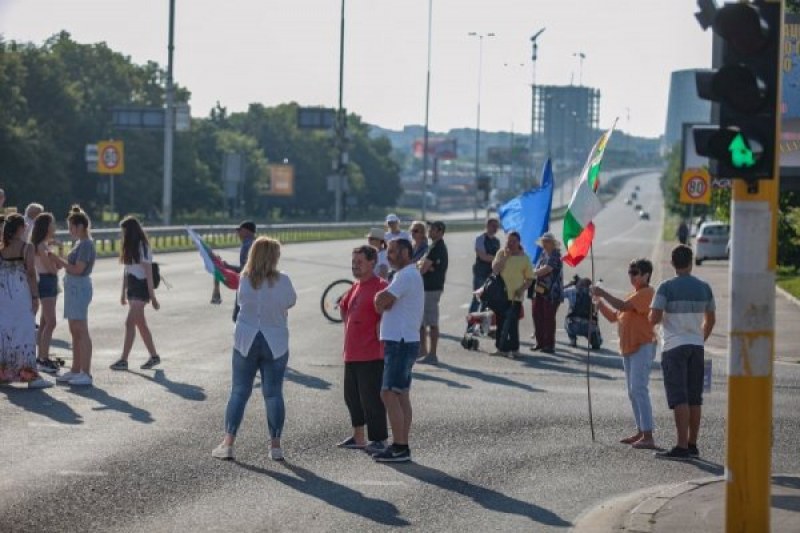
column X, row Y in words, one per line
column 433, row 268
column 547, row 292
column 247, row 234
column 486, row 247
column 394, row 232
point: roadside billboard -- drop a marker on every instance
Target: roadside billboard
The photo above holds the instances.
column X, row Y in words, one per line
column 790, row 105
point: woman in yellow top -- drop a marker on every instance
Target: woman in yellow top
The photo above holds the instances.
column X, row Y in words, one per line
column 514, row 266
column 636, row 344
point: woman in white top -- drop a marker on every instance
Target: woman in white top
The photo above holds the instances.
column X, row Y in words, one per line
column 137, row 291
column 42, row 237
column 261, row 344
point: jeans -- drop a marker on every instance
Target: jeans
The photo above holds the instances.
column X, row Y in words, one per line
column 362, row 394
column 259, row 359
column 637, row 379
column 507, row 333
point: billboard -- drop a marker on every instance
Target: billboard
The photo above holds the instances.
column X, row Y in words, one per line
column 438, row 147
column 790, row 104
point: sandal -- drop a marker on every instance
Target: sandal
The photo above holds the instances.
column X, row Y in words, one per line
column 122, row 364
column 645, row 444
column 631, row 439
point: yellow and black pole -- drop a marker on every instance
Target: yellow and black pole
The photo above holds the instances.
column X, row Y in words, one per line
column 751, row 318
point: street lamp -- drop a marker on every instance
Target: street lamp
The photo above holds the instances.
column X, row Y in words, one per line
column 480, row 37
column 534, row 57
column 341, row 129
column 169, row 123
column 427, row 106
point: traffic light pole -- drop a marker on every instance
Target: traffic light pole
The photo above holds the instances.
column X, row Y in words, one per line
column 169, row 123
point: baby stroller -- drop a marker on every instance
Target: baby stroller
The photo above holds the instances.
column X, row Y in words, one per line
column 483, row 323
column 581, row 314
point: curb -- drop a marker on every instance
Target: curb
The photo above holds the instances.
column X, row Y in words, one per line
column 788, row 296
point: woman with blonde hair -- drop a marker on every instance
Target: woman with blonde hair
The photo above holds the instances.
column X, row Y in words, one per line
column 77, row 297
column 419, row 240
column 137, row 291
column 261, row 344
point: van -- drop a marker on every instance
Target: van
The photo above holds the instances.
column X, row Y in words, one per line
column 711, row 241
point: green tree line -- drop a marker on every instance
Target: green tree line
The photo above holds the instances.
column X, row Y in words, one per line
column 57, row 98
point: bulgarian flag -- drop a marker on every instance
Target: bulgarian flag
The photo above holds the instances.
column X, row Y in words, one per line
column 213, row 263
column 578, row 226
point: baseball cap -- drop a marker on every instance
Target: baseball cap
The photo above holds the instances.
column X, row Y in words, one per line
column 248, row 225
column 391, row 217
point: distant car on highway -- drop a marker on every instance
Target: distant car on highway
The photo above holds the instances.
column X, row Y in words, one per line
column 628, row 201
column 638, row 207
column 711, row 241
column 644, row 215
column 634, row 195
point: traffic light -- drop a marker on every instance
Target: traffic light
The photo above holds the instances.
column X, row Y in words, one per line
column 745, row 87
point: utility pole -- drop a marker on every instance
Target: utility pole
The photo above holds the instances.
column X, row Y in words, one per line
column 534, row 56
column 581, row 56
column 169, row 122
column 427, row 106
column 341, row 128
column 480, row 37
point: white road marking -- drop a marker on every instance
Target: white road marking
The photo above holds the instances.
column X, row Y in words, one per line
column 57, row 425
column 83, row 473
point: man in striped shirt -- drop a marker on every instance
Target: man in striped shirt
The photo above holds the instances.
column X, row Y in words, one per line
column 684, row 306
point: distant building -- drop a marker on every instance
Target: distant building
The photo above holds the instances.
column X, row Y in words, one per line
column 565, row 121
column 684, row 106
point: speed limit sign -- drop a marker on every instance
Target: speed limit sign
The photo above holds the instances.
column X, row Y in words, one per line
column 695, row 186
column 110, row 157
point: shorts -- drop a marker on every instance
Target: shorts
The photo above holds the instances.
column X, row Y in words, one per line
column 77, row 297
column 398, row 358
column 137, row 289
column 48, row 285
column 430, row 316
column 683, row 369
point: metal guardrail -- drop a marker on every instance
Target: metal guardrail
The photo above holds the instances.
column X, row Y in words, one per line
column 175, row 238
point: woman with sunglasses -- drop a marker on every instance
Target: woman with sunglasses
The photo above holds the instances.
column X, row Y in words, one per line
column 637, row 345
column 419, row 240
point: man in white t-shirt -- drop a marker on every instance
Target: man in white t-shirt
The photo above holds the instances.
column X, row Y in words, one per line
column 394, row 231
column 402, row 304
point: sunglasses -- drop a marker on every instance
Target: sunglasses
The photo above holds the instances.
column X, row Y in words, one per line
column 633, row 272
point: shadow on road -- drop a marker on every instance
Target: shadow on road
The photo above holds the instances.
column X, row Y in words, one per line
column 556, row 363
column 186, row 391
column 436, row 379
column 707, row 466
column 39, row 402
column 340, row 496
column 108, row 402
column 488, row 378
column 307, row 380
column 487, row 498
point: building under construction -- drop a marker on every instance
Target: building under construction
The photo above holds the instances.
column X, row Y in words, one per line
column 565, row 122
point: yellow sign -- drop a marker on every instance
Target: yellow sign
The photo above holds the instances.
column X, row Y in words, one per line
column 110, row 157
column 695, row 186
column 281, row 180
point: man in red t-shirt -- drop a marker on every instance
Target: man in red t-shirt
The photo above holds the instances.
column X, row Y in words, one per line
column 363, row 355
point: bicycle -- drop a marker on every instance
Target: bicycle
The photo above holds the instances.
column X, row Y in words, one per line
column 331, row 296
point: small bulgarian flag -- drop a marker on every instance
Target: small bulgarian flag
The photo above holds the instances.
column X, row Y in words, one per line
column 214, row 265
column 578, row 226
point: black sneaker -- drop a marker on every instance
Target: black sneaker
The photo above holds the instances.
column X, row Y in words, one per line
column 675, row 454
column 393, row 455
column 47, row 365
column 150, row 363
column 350, row 443
column 693, row 451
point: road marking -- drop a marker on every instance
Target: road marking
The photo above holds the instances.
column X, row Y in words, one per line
column 57, row 425
column 83, row 473
column 306, row 289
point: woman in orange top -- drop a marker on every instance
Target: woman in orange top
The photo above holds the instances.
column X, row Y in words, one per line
column 637, row 345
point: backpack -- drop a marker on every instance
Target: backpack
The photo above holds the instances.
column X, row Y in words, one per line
column 583, row 304
column 494, row 294
column 156, row 274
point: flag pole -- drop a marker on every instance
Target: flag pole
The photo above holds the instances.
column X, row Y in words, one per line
column 589, row 350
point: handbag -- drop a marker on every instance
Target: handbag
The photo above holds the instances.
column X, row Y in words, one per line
column 493, row 293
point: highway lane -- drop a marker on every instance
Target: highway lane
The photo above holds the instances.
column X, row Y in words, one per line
column 497, row 444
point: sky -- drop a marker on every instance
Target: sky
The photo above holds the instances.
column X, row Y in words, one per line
column 274, row 51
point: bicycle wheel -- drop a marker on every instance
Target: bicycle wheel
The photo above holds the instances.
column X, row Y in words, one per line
column 331, row 297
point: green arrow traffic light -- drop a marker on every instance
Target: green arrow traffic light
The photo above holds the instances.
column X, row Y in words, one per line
column 741, row 154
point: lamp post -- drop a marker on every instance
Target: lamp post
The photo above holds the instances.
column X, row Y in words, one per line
column 341, row 128
column 534, row 56
column 427, row 106
column 480, row 37
column 169, row 123
column 581, row 56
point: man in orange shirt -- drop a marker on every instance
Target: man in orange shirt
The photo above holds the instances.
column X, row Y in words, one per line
column 637, row 344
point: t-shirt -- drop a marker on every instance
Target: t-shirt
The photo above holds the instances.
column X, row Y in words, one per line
column 83, row 252
column 137, row 269
column 517, row 269
column 403, row 320
column 633, row 325
column 361, row 320
column 433, row 279
column 389, row 236
column 685, row 300
column 382, row 261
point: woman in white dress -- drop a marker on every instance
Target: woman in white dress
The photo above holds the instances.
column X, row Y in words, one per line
column 19, row 302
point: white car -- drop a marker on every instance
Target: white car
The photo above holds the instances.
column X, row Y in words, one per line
column 711, row 242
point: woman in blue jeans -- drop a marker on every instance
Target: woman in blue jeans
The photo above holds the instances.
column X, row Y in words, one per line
column 636, row 344
column 261, row 344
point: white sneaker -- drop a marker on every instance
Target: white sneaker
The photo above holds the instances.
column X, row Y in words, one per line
column 223, row 451
column 81, row 380
column 66, row 376
column 276, row 454
column 40, row 383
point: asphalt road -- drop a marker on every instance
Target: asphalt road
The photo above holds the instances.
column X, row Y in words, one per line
column 497, row 444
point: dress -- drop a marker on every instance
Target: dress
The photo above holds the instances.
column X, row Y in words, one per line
column 17, row 323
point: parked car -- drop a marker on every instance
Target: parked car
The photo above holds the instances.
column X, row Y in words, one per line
column 711, row 241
